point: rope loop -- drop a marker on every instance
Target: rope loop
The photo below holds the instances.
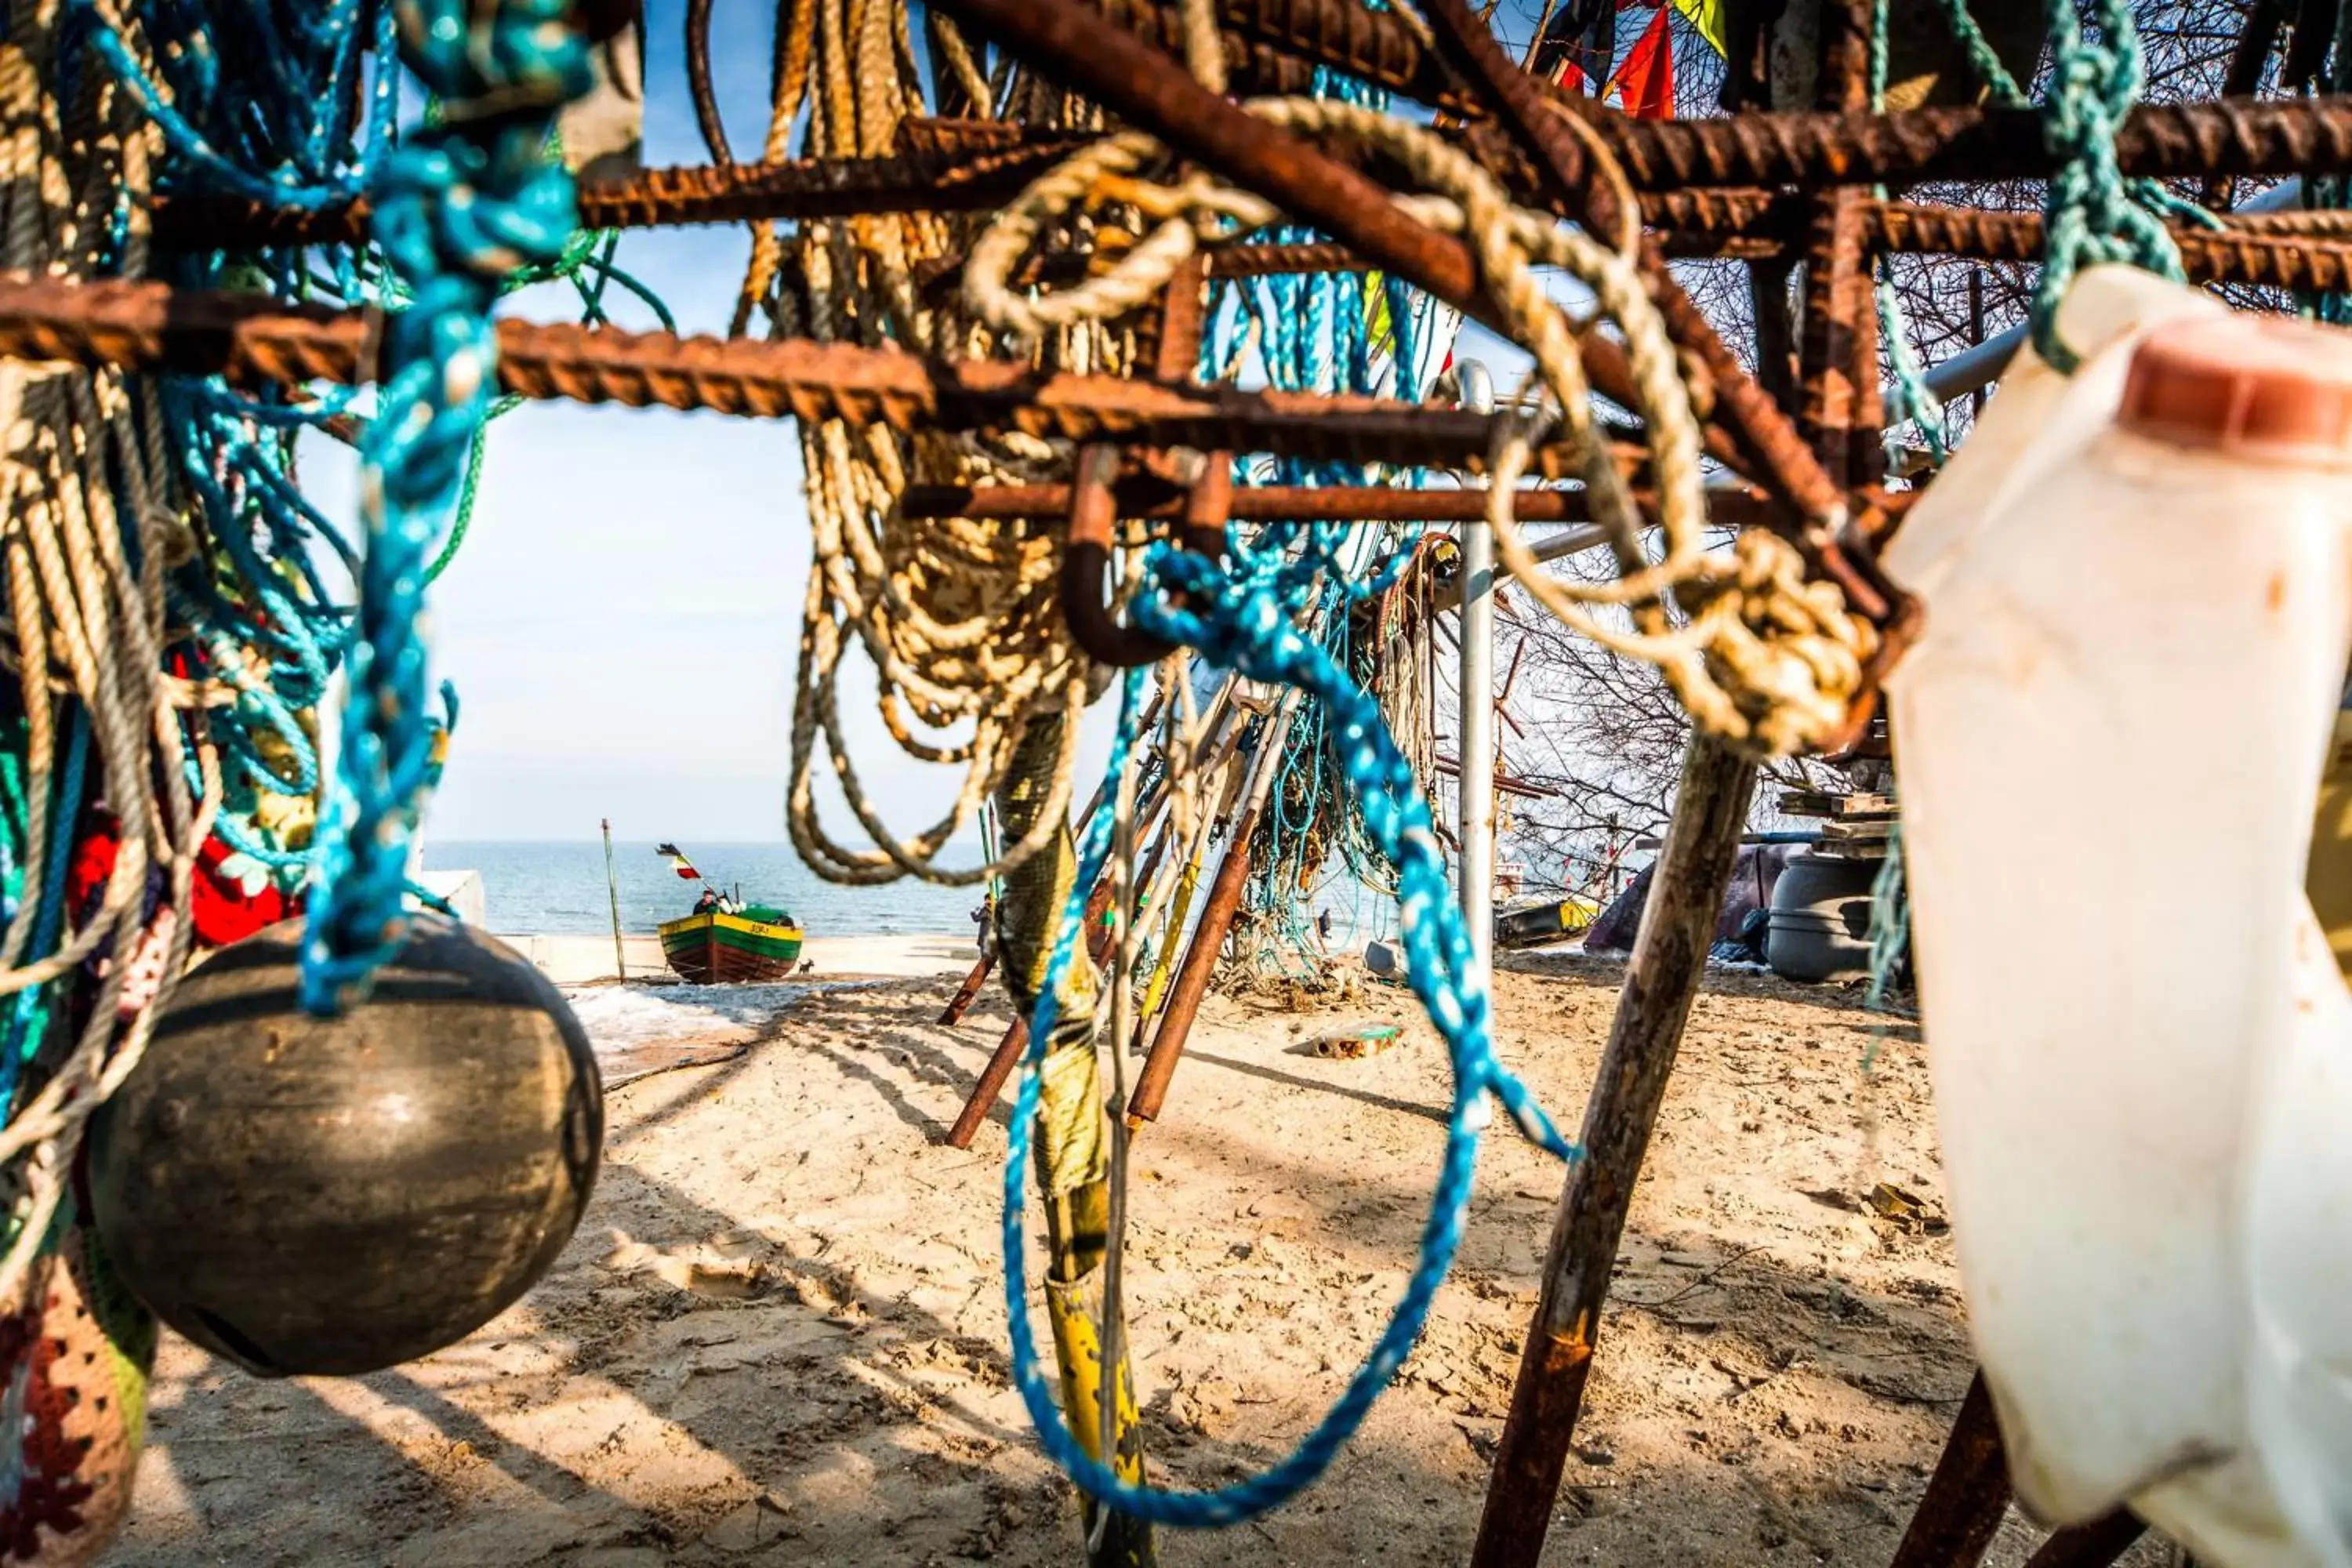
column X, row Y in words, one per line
column 1241, row 622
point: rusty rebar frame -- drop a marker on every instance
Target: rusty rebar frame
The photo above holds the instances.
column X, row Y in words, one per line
column 1779, row 188
column 256, row 343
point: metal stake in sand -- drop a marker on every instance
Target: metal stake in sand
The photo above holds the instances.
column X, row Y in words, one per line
column 613, row 891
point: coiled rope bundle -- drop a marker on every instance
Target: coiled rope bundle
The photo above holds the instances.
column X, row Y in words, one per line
column 959, row 619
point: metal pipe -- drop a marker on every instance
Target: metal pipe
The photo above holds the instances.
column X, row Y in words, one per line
column 1475, row 794
column 1192, row 985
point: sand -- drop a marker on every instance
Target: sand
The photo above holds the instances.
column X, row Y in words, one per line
column 779, row 1337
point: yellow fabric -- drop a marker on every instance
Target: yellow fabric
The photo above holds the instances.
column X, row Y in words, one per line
column 1706, row 17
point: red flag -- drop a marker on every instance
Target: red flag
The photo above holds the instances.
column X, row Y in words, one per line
column 1646, row 80
column 1569, row 77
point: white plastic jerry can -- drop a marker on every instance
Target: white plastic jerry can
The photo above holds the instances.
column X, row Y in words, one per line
column 2109, row 742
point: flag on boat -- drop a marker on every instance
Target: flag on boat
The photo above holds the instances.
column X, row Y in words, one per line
column 678, row 862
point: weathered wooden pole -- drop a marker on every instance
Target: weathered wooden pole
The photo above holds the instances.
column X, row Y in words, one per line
column 1661, row 981
column 1965, row 1496
column 612, row 891
column 1073, row 1165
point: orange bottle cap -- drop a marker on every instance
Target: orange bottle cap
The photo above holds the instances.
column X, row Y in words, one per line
column 2257, row 386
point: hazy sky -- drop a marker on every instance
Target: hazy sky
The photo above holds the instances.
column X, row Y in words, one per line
column 622, row 619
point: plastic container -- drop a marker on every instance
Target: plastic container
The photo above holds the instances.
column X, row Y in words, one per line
column 2038, row 416
column 2110, row 738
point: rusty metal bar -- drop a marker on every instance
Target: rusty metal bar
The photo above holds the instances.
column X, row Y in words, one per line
column 1149, row 89
column 1967, row 1495
column 1726, row 507
column 2233, row 136
column 1193, row 976
column 1274, row 45
column 257, row 342
column 966, row 994
column 2250, row 251
column 990, row 1086
column 1662, row 979
column 943, row 166
column 1086, row 569
column 2093, row 1545
column 1838, row 351
column 1269, row 503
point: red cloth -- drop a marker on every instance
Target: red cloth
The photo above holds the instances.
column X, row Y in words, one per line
column 229, row 907
column 1646, row 80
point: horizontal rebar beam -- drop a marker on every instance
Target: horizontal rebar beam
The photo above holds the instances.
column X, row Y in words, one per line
column 943, row 165
column 2237, row 136
column 257, row 342
column 1731, row 506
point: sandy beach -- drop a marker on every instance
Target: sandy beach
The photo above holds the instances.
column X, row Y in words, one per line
column 780, row 1335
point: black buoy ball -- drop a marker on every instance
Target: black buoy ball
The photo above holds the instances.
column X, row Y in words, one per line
column 330, row 1197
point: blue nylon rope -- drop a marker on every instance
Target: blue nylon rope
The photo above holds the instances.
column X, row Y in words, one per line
column 1240, row 621
column 458, row 209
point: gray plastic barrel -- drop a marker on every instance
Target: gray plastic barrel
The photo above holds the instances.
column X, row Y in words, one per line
column 1820, row 922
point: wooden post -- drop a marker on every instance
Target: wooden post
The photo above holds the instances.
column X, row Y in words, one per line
column 1661, row 981
column 1072, row 1148
column 613, row 891
column 1967, row 1495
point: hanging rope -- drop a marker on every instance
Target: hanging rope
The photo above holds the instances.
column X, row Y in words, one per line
column 1241, row 622
column 88, row 532
column 458, row 210
column 959, row 619
column 2094, row 215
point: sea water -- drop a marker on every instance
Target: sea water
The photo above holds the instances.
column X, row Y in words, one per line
column 558, row 889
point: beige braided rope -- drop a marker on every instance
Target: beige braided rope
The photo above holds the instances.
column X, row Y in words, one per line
column 958, row 620
column 88, row 626
column 1762, row 658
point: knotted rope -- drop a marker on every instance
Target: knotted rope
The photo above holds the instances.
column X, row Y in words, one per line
column 88, row 533
column 458, row 210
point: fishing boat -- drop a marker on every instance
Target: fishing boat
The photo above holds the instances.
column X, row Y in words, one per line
column 749, row 946
column 726, row 941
